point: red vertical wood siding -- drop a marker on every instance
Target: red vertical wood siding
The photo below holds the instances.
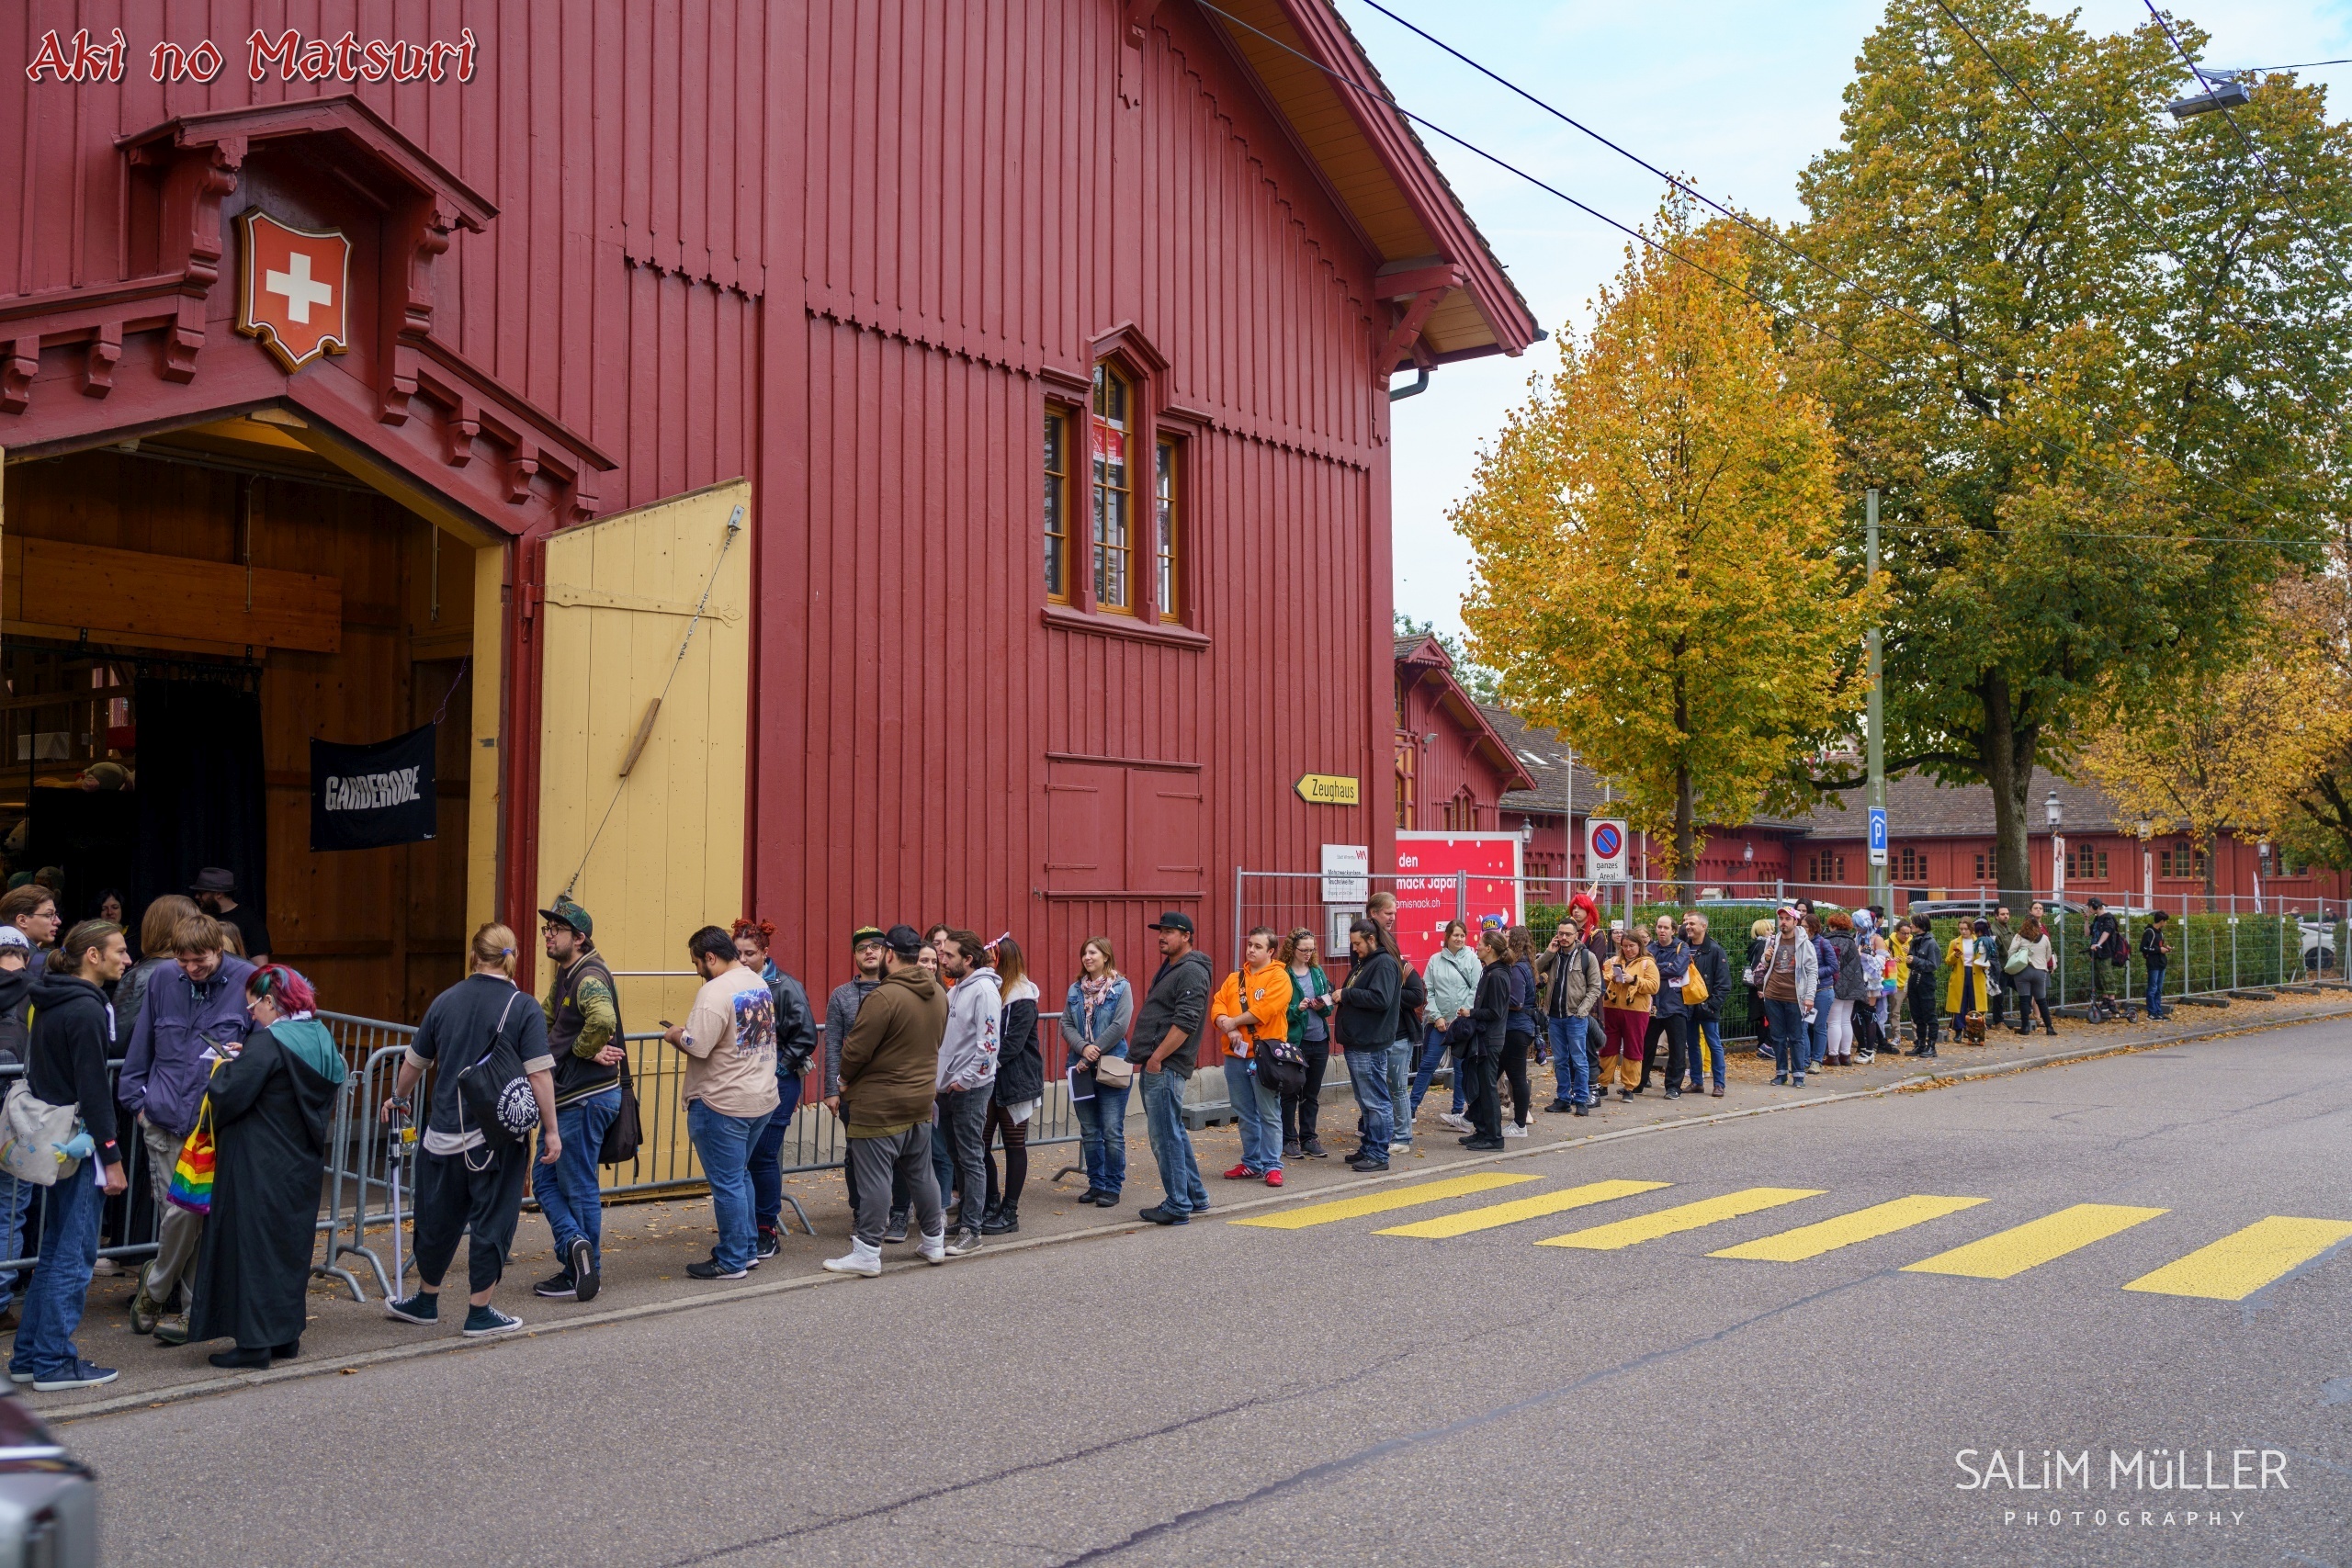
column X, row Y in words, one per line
column 839, row 246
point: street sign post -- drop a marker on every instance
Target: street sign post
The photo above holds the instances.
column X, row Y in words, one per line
column 1604, row 849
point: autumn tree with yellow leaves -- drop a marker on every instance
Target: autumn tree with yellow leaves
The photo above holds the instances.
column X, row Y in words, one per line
column 1657, row 572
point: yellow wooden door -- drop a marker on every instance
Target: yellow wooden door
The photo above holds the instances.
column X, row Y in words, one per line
column 657, row 853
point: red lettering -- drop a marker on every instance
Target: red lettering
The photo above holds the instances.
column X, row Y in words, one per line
column 204, row 61
column 166, row 61
column 260, row 53
column 437, row 50
column 318, row 61
column 466, row 55
column 52, row 57
column 347, row 50
column 376, row 60
column 114, row 53
column 404, row 53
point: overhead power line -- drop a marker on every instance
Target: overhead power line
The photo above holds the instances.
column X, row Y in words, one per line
column 2306, row 65
column 1771, row 307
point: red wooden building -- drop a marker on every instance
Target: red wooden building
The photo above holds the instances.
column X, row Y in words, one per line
column 406, row 361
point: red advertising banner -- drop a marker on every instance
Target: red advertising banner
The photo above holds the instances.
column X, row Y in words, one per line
column 1426, row 864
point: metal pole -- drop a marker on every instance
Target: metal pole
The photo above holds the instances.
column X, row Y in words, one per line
column 1881, row 892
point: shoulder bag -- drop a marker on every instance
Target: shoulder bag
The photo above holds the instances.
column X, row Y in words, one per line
column 1114, row 1072
column 1694, row 985
column 495, row 1092
column 33, row 1135
column 627, row 1133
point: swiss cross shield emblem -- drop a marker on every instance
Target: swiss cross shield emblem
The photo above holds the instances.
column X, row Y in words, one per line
column 294, row 289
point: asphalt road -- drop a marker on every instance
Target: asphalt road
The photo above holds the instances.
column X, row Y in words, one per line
column 1322, row 1392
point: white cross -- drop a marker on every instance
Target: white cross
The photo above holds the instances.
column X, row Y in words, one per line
column 301, row 291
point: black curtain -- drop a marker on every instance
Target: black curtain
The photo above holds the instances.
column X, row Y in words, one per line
column 94, row 836
column 200, row 788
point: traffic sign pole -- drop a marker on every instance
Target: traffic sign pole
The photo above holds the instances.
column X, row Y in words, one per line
column 1882, row 893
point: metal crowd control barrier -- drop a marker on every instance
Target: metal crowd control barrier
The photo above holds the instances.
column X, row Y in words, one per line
column 18, row 1197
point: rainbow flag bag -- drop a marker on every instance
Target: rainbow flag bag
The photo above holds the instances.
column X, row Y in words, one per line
column 191, row 1185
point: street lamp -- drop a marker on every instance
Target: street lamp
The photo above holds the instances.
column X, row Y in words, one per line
column 2222, row 91
column 2051, row 806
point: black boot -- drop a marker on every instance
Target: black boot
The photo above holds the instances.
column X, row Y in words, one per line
column 231, row 1360
column 287, row 1351
column 1005, row 1220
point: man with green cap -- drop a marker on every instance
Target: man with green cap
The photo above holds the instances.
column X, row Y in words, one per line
column 866, row 947
column 584, row 1035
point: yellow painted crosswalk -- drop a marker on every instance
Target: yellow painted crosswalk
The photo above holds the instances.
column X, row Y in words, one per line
column 2229, row 1270
column 2244, row 1261
column 1683, row 1217
column 1381, row 1200
column 2012, row 1252
column 1862, row 1225
column 1517, row 1209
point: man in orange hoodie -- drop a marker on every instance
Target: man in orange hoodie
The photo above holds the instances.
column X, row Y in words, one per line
column 1253, row 1005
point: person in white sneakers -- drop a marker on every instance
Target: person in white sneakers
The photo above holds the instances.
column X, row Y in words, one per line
column 888, row 1070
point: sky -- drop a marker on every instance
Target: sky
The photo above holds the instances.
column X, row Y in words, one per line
column 1734, row 97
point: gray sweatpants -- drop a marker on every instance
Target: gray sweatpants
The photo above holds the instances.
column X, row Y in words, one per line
column 879, row 1161
column 177, row 1233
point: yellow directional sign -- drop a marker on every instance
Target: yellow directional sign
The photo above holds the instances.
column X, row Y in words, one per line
column 1329, row 789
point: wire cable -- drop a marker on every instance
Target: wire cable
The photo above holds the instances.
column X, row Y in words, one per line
column 2306, row 65
column 1768, row 306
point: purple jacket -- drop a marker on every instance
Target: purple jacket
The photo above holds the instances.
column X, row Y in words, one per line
column 164, row 1072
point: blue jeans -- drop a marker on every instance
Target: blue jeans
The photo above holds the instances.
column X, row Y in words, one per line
column 724, row 1145
column 765, row 1166
column 1791, row 1047
column 1820, row 1030
column 1171, row 1146
column 1711, row 1030
column 69, row 1254
column 567, row 1189
column 1368, row 1072
column 1103, row 1138
column 1432, row 1058
column 1259, row 1110
column 15, row 1197
column 1571, row 1074
column 1401, row 1091
column 2156, row 993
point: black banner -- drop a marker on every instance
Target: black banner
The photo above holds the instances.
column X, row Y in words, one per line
column 363, row 797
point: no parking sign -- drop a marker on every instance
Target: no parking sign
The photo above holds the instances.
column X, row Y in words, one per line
column 1604, row 849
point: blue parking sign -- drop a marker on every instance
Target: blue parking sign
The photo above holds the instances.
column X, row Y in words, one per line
column 1878, row 829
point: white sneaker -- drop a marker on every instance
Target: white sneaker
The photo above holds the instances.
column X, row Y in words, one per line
column 1513, row 1130
column 1403, row 1148
column 1454, row 1120
column 859, row 1259
column 933, row 1248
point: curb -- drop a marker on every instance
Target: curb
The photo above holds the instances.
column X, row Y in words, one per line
column 445, row 1344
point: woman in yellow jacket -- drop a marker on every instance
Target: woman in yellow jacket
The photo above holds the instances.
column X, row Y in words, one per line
column 1254, row 1005
column 1968, row 976
column 1631, row 977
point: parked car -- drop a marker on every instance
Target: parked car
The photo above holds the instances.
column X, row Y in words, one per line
column 48, row 1499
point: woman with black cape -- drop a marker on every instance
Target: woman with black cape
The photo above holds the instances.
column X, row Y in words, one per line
column 273, row 1110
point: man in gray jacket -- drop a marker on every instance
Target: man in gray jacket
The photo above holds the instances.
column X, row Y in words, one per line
column 1569, row 989
column 1167, row 1042
column 968, row 1076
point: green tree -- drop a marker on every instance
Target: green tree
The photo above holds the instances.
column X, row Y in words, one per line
column 1655, row 535
column 2091, row 366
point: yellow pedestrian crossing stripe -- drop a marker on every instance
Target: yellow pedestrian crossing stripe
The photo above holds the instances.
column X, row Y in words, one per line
column 2242, row 1262
column 1381, row 1202
column 1517, row 1209
column 2007, row 1254
column 2229, row 1269
column 1684, row 1217
column 1862, row 1225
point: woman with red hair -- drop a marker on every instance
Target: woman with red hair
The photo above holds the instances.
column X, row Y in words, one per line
column 272, row 1107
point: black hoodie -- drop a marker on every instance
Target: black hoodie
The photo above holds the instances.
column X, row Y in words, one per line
column 73, row 1036
column 15, row 985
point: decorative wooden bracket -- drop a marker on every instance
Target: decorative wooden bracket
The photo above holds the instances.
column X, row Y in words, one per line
column 1419, row 289
column 1135, row 17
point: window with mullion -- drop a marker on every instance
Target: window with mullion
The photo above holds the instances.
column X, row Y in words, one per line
column 1113, row 487
column 1164, row 508
column 1057, row 455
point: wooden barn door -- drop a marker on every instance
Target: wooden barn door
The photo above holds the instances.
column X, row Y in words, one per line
column 643, row 756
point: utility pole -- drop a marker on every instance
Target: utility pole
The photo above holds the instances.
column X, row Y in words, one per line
column 1880, row 849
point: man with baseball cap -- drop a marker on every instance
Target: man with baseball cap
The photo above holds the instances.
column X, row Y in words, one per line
column 1168, row 1027
column 890, row 1067
column 584, row 1035
column 867, row 949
